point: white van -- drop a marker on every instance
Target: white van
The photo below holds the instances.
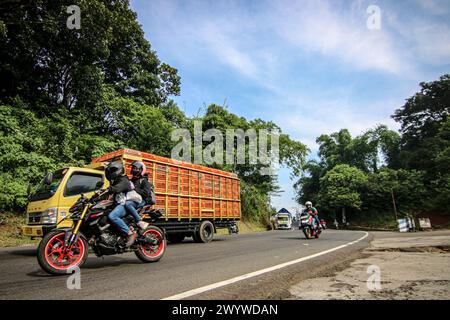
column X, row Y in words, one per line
column 283, row 221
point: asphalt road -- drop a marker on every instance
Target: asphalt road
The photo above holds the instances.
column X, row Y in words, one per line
column 185, row 266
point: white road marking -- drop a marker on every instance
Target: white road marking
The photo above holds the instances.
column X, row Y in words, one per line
column 216, row 285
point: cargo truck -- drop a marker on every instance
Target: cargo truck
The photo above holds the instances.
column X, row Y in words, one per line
column 196, row 200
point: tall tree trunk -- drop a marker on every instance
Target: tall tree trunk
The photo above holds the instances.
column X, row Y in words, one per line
column 344, row 218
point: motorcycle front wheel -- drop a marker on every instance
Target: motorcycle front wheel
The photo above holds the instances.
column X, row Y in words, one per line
column 307, row 232
column 55, row 258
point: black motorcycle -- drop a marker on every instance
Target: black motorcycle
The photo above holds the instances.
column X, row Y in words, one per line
column 64, row 249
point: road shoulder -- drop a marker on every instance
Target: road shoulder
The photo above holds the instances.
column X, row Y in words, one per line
column 275, row 285
column 410, row 266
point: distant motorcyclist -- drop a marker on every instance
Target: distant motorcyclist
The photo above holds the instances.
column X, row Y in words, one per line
column 119, row 186
column 313, row 212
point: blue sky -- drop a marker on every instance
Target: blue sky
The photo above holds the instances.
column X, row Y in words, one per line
column 312, row 67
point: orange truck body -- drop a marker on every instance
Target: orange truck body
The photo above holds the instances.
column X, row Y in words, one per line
column 186, row 191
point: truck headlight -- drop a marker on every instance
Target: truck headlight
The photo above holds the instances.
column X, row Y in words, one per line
column 50, row 216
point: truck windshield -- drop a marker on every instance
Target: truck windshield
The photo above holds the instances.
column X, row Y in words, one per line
column 46, row 191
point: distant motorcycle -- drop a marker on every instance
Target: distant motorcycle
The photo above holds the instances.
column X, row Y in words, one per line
column 309, row 228
column 63, row 249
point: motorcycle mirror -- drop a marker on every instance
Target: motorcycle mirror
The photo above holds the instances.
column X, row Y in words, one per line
column 48, row 178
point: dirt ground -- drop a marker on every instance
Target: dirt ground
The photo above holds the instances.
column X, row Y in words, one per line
column 395, row 266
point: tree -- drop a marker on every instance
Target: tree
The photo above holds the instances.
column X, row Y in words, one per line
column 407, row 186
column 308, row 185
column 421, row 119
column 340, row 188
column 44, row 61
column 425, row 138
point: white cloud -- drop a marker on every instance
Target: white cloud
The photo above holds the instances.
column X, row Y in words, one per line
column 316, row 26
column 226, row 50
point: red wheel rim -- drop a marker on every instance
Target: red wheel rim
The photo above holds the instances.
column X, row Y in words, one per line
column 56, row 256
column 153, row 251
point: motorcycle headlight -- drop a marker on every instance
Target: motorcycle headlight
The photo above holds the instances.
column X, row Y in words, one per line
column 50, row 216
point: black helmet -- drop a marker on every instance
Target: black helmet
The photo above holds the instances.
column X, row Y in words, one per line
column 137, row 169
column 114, row 170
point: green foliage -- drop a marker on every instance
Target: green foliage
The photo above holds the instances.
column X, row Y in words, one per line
column 44, row 61
column 308, row 185
column 148, row 129
column 422, row 117
column 70, row 95
column 340, row 187
column 23, row 155
column 425, row 143
column 407, row 186
column 362, row 152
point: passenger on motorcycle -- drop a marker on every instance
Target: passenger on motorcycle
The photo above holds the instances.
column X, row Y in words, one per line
column 144, row 192
column 119, row 186
column 312, row 211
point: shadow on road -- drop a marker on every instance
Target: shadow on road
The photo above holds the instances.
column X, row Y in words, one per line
column 185, row 241
column 91, row 264
column 99, row 263
column 39, row 274
column 28, row 252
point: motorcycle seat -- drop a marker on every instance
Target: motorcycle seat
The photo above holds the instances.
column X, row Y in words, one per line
column 144, row 210
column 152, row 213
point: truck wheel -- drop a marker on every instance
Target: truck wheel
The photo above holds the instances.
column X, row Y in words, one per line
column 205, row 232
column 175, row 237
column 195, row 237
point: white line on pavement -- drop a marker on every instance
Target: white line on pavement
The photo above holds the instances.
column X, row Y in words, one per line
column 216, row 285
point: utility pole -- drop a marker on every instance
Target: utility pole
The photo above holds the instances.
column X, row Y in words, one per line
column 393, row 202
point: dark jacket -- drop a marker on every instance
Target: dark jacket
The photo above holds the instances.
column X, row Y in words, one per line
column 143, row 187
column 121, row 184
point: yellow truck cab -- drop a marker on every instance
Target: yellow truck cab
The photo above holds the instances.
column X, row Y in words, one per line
column 58, row 191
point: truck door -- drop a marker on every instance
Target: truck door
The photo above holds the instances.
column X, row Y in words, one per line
column 79, row 182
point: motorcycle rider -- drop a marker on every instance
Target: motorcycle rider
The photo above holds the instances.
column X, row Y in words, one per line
column 143, row 188
column 313, row 211
column 119, row 186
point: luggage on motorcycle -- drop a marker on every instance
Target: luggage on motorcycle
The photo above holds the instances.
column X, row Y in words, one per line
column 134, row 196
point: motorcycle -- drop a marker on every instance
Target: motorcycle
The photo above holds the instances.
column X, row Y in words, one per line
column 309, row 228
column 64, row 249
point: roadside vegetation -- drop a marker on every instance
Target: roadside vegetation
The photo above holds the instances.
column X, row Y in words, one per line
column 360, row 178
column 10, row 233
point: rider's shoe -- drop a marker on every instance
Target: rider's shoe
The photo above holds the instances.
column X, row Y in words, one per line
column 130, row 239
column 143, row 225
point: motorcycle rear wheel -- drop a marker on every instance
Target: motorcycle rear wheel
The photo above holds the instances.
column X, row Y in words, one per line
column 152, row 253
